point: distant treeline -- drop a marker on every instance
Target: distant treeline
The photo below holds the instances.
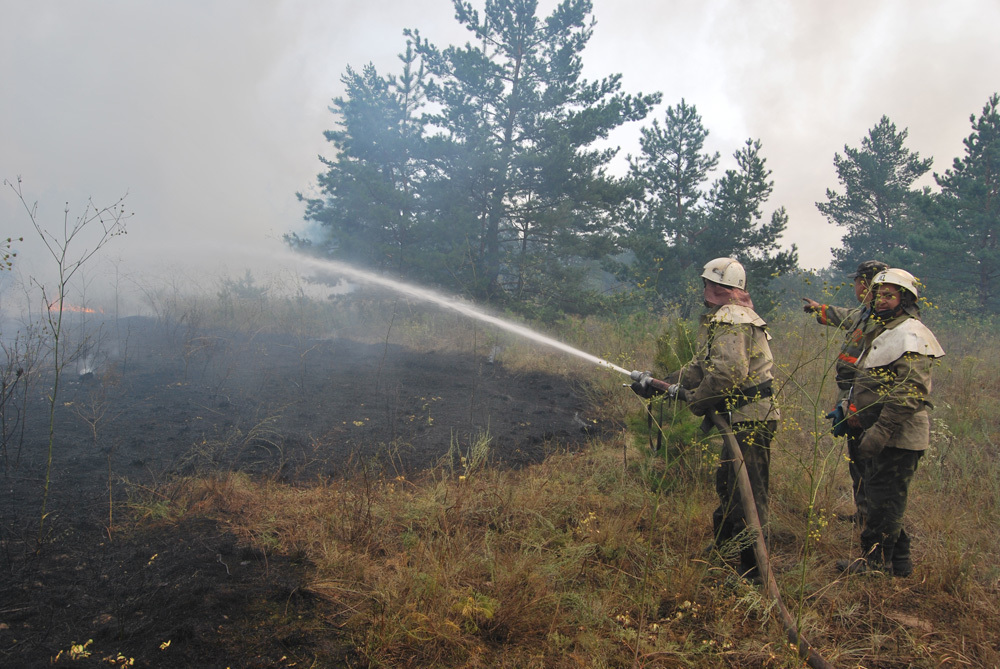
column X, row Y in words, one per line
column 476, row 169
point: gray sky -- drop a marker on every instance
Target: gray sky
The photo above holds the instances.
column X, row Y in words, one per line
column 210, row 113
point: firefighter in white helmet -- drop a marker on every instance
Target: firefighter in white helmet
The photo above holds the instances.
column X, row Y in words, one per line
column 890, row 391
column 732, row 374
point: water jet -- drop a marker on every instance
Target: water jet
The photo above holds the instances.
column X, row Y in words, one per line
column 365, row 276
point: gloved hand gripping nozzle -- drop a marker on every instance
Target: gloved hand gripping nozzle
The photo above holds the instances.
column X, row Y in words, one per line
column 644, row 385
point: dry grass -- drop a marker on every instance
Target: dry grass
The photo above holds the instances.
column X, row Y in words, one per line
column 595, row 558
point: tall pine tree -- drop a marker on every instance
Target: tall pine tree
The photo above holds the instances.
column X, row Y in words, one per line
column 682, row 222
column 737, row 225
column 672, row 170
column 369, row 211
column 966, row 242
column 518, row 172
column 879, row 205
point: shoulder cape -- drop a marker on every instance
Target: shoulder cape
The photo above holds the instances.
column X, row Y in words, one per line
column 910, row 336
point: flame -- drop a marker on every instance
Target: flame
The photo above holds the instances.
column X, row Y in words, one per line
column 75, row 309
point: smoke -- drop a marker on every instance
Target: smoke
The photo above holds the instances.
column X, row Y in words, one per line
column 210, row 116
column 807, row 78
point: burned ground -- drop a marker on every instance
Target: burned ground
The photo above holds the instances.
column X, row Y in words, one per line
column 168, row 402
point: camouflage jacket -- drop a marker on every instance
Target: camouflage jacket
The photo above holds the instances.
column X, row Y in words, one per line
column 893, row 383
column 854, row 322
column 732, row 366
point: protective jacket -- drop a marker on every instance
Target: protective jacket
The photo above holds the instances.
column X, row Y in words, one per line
column 854, row 322
column 893, row 383
column 733, row 369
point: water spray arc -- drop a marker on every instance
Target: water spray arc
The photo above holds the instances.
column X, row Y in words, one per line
column 454, row 305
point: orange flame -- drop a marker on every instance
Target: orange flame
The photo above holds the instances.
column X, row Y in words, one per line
column 75, row 309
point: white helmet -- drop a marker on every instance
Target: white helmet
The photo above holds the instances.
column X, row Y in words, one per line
column 897, row 277
column 725, row 271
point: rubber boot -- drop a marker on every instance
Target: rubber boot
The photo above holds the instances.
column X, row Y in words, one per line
column 902, row 564
column 748, row 566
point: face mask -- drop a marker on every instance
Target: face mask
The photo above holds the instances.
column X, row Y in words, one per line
column 888, row 314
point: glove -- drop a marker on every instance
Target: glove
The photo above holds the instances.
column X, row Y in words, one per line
column 700, row 407
column 677, row 392
column 643, row 386
column 862, row 420
column 839, row 424
column 644, row 391
column 874, row 441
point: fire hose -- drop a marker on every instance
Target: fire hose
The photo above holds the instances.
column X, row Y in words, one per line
column 805, row 650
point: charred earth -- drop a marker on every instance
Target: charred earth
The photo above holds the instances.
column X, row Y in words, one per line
column 146, row 401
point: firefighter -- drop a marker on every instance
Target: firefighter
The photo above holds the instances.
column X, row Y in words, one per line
column 853, row 321
column 890, row 390
column 731, row 374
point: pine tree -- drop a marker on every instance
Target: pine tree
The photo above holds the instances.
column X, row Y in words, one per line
column 369, row 211
column 682, row 222
column 672, row 171
column 966, row 242
column 737, row 225
column 518, row 174
column 879, row 205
